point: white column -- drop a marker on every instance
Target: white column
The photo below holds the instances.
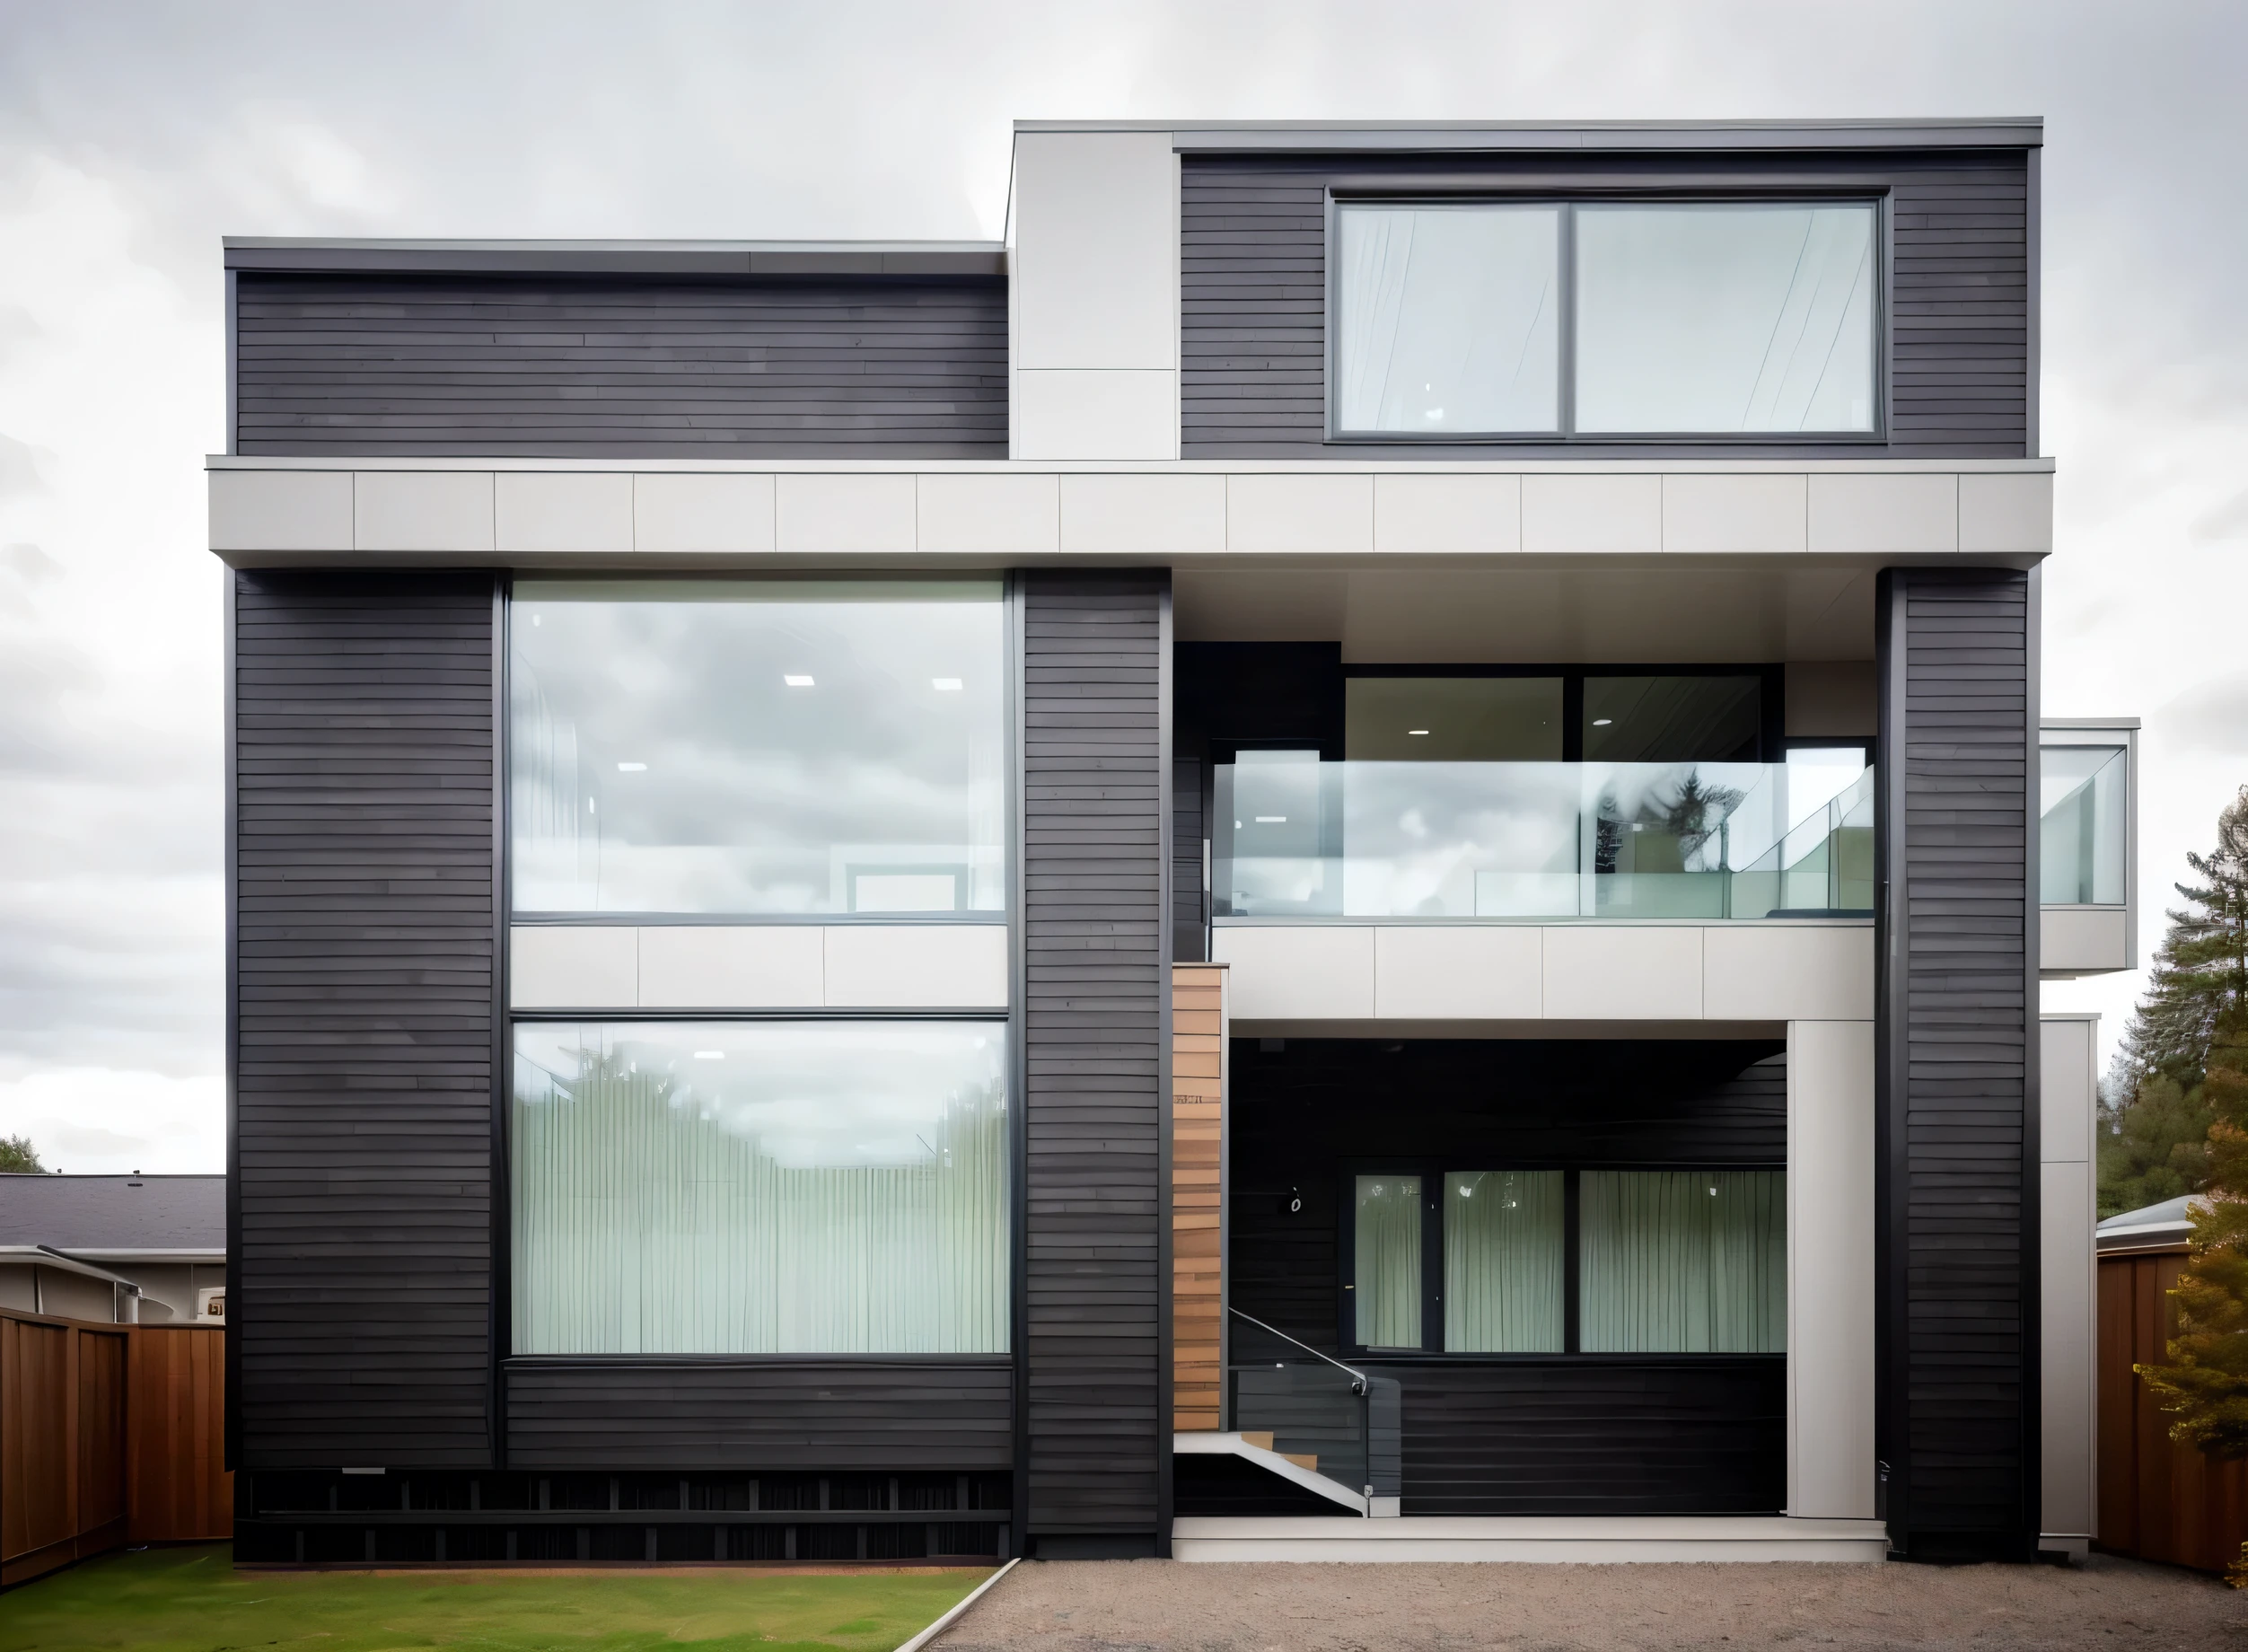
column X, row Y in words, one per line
column 2068, row 1303
column 1831, row 1276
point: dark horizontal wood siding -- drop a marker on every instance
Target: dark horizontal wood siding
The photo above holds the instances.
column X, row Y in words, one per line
column 365, row 916
column 551, row 366
column 1095, row 937
column 1957, row 1051
column 1707, row 1435
column 786, row 1414
column 1253, row 251
column 1598, row 1434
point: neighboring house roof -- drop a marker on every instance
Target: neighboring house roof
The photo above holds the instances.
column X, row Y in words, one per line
column 116, row 1218
column 2162, row 1226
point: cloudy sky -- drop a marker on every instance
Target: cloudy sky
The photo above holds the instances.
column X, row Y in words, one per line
column 132, row 136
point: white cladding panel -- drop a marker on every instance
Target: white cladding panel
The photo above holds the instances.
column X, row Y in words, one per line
column 1069, row 413
column 558, row 966
column 547, row 513
column 281, row 510
column 2082, row 940
column 1831, row 1273
column 1577, row 972
column 684, row 513
column 421, row 510
column 600, row 967
column 1094, row 271
column 2068, row 1315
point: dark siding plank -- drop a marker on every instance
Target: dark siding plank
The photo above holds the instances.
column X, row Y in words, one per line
column 561, row 367
column 363, row 952
column 1958, row 1048
column 1253, row 300
column 1096, row 936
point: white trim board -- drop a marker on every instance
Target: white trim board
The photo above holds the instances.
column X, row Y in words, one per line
column 1581, row 1539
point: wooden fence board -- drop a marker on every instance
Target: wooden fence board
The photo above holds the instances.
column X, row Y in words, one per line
column 2158, row 1499
column 109, row 1434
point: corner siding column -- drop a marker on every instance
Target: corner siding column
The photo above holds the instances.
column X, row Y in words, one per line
column 1095, row 846
column 1956, row 1059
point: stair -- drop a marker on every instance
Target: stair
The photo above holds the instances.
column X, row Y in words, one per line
column 1297, row 1467
column 1261, row 1439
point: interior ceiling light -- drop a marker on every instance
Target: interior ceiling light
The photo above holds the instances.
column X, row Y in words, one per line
column 1597, row 721
column 632, row 768
column 945, row 685
column 1272, row 820
column 796, row 681
column 710, row 1054
column 1415, row 731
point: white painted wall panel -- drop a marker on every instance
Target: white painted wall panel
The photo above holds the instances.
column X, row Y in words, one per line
column 1062, row 414
column 1621, row 972
column 1831, row 1269
column 2082, row 940
column 973, row 515
column 1143, row 515
column 1573, row 515
column 280, row 510
column 1443, row 513
column 683, row 513
column 1732, row 514
column 843, row 514
column 1788, row 972
column 592, row 966
column 1460, row 972
column 710, row 966
column 2067, row 1315
column 1297, row 973
column 421, row 510
column 1095, row 268
column 1909, row 513
column 2006, row 514
column 1299, row 514
column 562, row 512
column 916, row 966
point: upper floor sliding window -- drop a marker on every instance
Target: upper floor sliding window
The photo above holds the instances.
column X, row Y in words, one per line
column 1479, row 319
column 758, row 748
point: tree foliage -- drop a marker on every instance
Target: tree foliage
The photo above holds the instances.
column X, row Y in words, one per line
column 17, row 1154
column 2156, row 1115
column 2204, row 1385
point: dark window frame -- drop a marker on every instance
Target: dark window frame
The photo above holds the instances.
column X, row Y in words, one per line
column 1771, row 703
column 1432, row 1172
column 1567, row 434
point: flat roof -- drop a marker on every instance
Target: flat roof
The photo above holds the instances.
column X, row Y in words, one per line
column 1973, row 132
column 872, row 259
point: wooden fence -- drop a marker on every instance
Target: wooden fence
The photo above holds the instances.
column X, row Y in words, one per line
column 2158, row 1499
column 108, row 1435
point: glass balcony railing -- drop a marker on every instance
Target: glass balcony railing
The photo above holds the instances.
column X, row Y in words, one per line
column 1298, row 838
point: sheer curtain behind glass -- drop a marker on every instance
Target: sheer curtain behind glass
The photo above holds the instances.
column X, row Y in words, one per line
column 1502, row 1262
column 1448, row 320
column 1725, row 316
column 1387, row 1285
column 1683, row 1262
column 759, row 1189
column 751, row 746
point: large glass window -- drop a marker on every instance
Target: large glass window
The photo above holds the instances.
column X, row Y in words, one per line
column 1725, row 317
column 756, row 747
column 1451, row 319
column 1386, row 1243
column 1502, row 1262
column 2083, row 800
column 765, row 1187
column 1692, row 1261
column 1453, row 719
column 1701, row 318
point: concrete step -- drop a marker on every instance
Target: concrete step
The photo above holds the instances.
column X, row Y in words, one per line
column 1565, row 1538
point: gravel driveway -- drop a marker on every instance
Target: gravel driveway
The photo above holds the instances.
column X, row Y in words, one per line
column 1124, row 1605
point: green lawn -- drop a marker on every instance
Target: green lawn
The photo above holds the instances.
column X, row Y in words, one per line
column 193, row 1600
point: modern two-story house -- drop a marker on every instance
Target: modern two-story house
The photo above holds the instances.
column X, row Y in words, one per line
column 1346, row 854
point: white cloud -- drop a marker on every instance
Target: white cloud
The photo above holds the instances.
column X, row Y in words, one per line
column 96, row 1121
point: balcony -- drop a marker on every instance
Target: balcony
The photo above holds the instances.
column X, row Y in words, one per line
column 2087, row 848
column 1296, row 837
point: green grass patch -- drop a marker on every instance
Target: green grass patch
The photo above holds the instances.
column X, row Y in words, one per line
column 193, row 1600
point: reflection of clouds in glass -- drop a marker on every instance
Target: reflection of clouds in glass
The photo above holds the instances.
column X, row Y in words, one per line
column 807, row 1094
column 750, row 785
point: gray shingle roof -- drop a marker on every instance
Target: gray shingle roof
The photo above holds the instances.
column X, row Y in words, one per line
column 98, row 1214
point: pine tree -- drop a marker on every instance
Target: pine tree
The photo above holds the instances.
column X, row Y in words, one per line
column 2153, row 1140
